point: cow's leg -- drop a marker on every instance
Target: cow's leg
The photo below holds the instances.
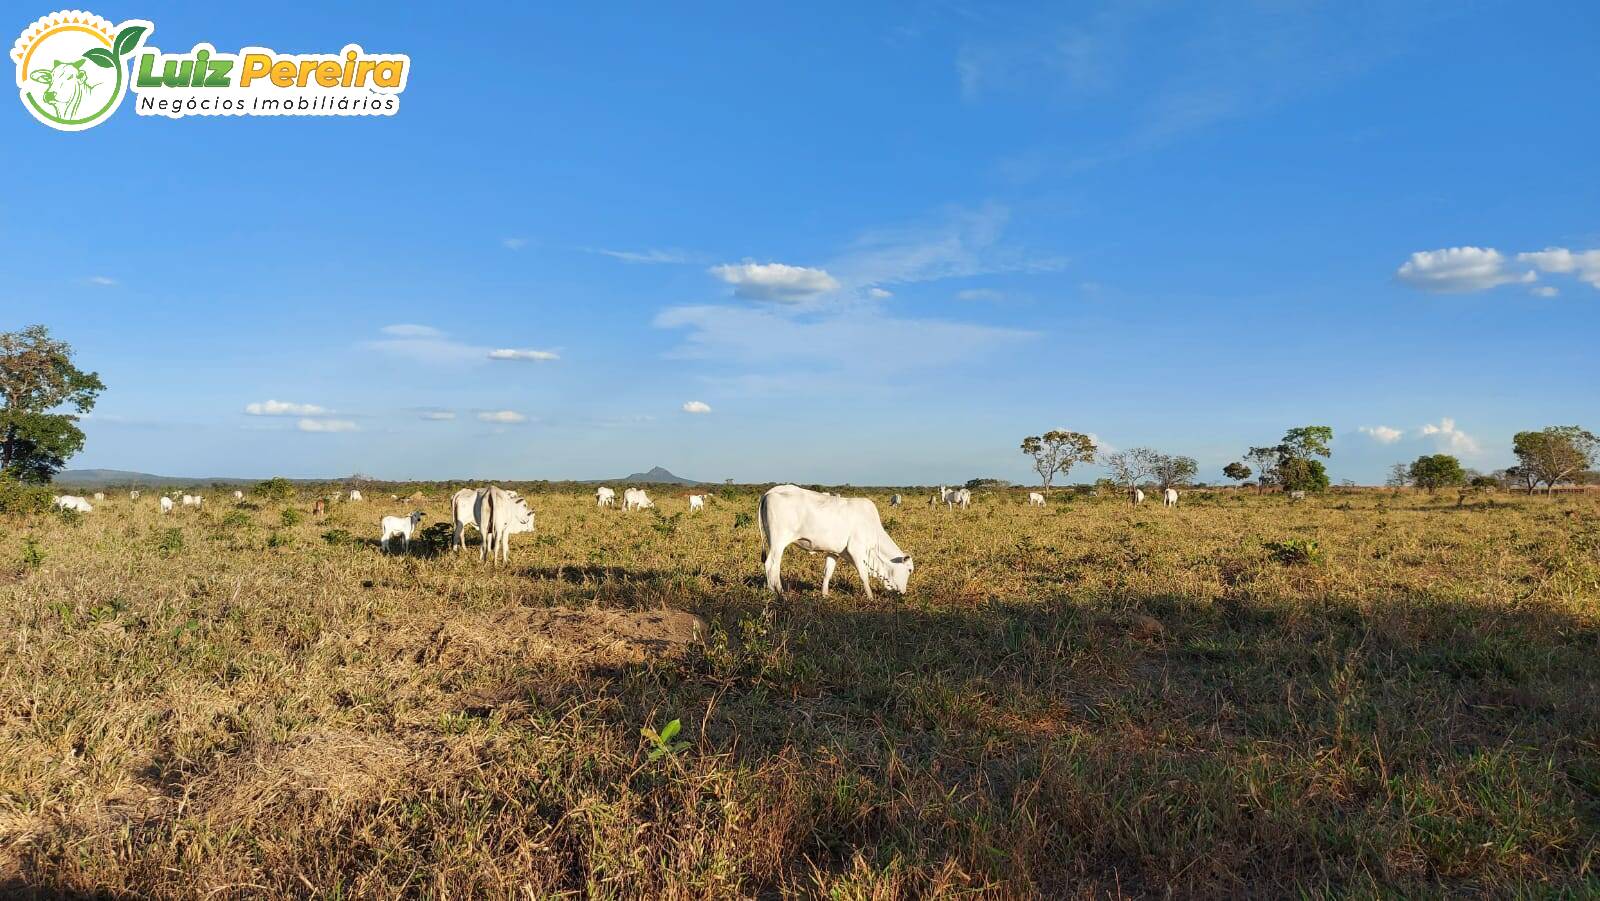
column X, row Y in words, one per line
column 384, row 544
column 866, row 581
column 774, row 566
column 827, row 572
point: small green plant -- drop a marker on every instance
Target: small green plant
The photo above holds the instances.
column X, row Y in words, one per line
column 32, row 556
column 336, row 536
column 1294, row 551
column 292, row 517
column 69, row 516
column 236, row 519
column 661, row 743
column 743, row 520
column 170, row 542
column 279, row 539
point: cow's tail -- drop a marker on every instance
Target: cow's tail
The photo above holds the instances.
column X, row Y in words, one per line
column 487, row 526
column 766, row 531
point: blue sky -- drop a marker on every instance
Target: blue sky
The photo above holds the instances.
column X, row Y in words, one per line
column 878, row 245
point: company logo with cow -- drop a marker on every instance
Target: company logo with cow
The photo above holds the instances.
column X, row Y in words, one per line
column 74, row 68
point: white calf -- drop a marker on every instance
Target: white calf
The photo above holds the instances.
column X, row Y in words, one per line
column 401, row 526
column 238, row 495
column 166, row 505
column 1035, row 499
column 134, row 495
column 99, row 496
column 1297, row 495
column 193, row 500
column 1169, row 497
column 697, row 502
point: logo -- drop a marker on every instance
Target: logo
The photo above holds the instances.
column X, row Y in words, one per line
column 73, row 69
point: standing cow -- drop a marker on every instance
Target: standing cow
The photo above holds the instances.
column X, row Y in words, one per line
column 166, row 505
column 697, row 502
column 1035, row 499
column 1137, row 496
column 398, row 527
column 604, row 497
column 895, row 500
column 500, row 514
column 636, row 499
column 835, row 526
column 1169, row 497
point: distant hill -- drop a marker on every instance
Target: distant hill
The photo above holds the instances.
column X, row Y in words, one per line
column 659, row 476
column 99, row 478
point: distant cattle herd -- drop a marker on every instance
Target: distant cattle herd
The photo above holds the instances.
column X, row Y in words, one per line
column 817, row 522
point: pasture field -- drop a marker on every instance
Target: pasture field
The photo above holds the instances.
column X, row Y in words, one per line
column 1084, row 700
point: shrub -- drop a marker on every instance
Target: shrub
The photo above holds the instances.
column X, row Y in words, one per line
column 292, row 517
column 32, row 556
column 236, row 519
column 336, row 536
column 274, row 489
column 278, row 539
column 1294, row 551
column 743, row 520
column 170, row 542
column 16, row 497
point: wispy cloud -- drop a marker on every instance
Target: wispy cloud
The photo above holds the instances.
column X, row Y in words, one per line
column 502, row 417
column 1459, row 270
column 984, row 294
column 647, row 257
column 104, row 281
column 410, row 330
column 1448, row 436
column 775, row 281
column 438, row 415
column 283, row 408
column 1381, row 433
column 513, row 243
column 531, row 355
column 697, row 406
column 960, row 244
column 326, row 425
column 1585, row 264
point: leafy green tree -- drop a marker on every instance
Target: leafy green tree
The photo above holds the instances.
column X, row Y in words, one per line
column 274, row 489
column 1435, row 471
column 1056, row 452
column 37, row 377
column 1556, row 454
column 1399, row 476
column 1170, row 471
column 1236, row 471
column 1303, row 474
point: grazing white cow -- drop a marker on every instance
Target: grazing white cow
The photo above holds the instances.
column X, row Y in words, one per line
column 604, row 497
column 355, row 495
column 835, row 526
column 166, row 505
column 697, row 502
column 636, row 499
column 72, row 502
column 500, row 514
column 1138, row 497
column 133, row 495
column 99, row 496
column 895, row 500
column 1169, row 497
column 193, row 500
column 401, row 527
column 1297, row 495
column 238, row 495
column 1035, row 499
column 958, row 497
column 463, row 513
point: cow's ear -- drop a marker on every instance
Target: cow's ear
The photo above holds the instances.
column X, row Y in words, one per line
column 79, row 64
column 40, row 75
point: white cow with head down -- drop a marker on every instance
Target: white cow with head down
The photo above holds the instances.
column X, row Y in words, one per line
column 1035, row 499
column 835, row 526
column 604, row 497
column 636, row 499
column 697, row 502
column 72, row 502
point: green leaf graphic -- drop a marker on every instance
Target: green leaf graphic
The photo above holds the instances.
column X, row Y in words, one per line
column 128, row 38
column 100, row 56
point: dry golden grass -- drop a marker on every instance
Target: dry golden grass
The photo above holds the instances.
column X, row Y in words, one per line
column 1079, row 701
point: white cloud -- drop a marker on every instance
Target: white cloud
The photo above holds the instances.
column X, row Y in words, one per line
column 326, row 425
column 1459, row 270
column 283, row 408
column 650, row 256
column 438, row 415
column 1546, row 291
column 1585, row 264
column 104, row 281
column 697, row 406
column 502, row 416
column 966, row 243
column 775, row 281
column 1447, row 435
column 408, row 330
column 1381, row 433
column 858, row 341
column 510, row 354
column 877, row 293
column 979, row 294
column 513, row 243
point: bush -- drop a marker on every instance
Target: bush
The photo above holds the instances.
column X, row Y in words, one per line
column 278, row 539
column 1294, row 551
column 170, row 542
column 236, row 519
column 274, row 489
column 292, row 517
column 336, row 536
column 15, row 497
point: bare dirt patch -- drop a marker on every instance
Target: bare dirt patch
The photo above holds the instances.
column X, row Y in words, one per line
column 566, row 635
